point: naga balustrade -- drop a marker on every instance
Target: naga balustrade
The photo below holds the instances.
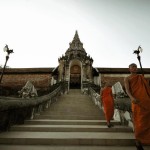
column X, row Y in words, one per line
column 122, row 107
column 17, row 110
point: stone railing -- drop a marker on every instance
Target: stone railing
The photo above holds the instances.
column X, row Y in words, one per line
column 122, row 107
column 16, row 110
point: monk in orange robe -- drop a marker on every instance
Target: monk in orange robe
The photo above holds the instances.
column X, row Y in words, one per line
column 108, row 103
column 138, row 90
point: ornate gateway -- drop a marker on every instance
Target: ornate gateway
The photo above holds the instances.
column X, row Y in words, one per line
column 75, row 67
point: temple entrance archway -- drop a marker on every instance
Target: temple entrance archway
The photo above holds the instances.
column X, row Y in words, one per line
column 75, row 74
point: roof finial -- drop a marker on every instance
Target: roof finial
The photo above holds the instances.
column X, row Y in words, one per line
column 76, row 35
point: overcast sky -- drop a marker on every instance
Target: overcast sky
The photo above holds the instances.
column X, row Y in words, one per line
column 39, row 31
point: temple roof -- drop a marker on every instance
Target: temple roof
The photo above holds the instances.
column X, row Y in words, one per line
column 27, row 70
column 76, row 44
column 119, row 70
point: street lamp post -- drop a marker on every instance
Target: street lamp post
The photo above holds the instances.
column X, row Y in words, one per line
column 138, row 57
column 9, row 51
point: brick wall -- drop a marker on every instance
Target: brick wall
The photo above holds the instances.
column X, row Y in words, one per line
column 11, row 83
column 19, row 80
column 113, row 78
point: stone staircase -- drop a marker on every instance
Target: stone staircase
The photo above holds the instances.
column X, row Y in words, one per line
column 73, row 122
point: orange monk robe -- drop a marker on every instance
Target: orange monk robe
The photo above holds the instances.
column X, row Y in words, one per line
column 108, row 103
column 140, row 89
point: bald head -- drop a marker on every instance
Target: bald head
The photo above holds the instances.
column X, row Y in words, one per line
column 132, row 65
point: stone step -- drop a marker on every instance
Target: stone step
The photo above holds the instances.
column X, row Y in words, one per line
column 73, row 114
column 55, row 147
column 66, row 111
column 69, row 122
column 69, row 117
column 73, row 110
column 70, row 128
column 67, row 138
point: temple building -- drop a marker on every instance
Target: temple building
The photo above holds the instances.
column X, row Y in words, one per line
column 74, row 68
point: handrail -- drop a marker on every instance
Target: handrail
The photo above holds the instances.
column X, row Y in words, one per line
column 7, row 103
column 17, row 110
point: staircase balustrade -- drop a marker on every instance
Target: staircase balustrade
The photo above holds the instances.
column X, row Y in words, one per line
column 16, row 110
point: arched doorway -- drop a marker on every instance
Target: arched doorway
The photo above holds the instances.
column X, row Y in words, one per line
column 75, row 77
